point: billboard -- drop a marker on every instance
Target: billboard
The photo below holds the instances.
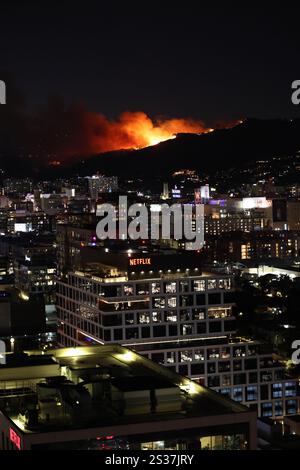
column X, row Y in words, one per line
column 256, row 203
column 23, row 227
column 204, row 191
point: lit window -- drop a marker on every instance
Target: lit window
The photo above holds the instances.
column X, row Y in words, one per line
column 156, row 317
column 212, row 284
column 277, row 390
column 266, row 409
column 199, row 285
column 144, row 317
column 172, row 302
column 291, row 407
column 251, row 393
column 199, row 354
column 155, row 287
column 170, row 288
column 237, row 394
column 186, row 356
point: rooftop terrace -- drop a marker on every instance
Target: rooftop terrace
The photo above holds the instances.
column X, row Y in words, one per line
column 99, row 386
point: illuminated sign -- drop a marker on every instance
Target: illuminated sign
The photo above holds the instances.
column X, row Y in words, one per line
column 176, row 193
column 139, row 261
column 13, row 436
column 23, row 227
column 197, row 196
column 204, row 191
column 256, row 203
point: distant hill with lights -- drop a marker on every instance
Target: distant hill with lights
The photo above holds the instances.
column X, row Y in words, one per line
column 236, row 147
column 247, row 142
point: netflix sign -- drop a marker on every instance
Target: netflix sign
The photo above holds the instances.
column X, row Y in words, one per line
column 170, row 263
column 140, row 261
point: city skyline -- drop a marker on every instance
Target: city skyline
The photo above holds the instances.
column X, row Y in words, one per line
column 149, row 230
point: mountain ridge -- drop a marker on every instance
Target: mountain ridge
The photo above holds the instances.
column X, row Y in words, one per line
column 251, row 140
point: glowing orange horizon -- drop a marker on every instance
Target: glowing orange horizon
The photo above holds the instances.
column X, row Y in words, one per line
column 94, row 133
column 144, row 132
column 89, row 133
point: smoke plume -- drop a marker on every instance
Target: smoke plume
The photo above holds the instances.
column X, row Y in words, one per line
column 57, row 134
column 78, row 131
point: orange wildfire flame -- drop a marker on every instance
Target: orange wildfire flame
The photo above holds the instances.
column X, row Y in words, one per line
column 76, row 132
column 94, row 133
column 145, row 132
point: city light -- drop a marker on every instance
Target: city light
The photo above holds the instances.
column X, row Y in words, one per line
column 128, row 357
column 149, row 232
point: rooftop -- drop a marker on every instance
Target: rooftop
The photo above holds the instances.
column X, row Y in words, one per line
column 99, row 385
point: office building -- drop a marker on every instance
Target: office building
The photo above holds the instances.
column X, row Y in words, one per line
column 256, row 246
column 165, row 308
column 101, row 184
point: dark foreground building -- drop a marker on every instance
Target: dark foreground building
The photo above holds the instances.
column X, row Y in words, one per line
column 109, row 397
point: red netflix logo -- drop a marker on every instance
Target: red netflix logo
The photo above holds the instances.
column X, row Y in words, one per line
column 139, row 261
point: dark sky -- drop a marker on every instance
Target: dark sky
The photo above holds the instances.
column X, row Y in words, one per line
column 209, row 63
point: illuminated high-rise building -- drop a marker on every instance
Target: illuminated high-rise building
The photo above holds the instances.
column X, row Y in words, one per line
column 165, row 308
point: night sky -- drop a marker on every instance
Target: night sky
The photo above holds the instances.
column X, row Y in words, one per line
column 205, row 63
